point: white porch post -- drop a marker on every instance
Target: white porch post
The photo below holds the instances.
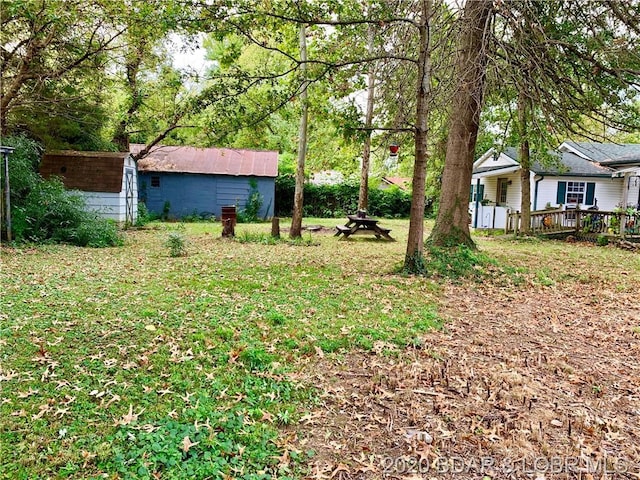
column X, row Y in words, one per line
column 475, row 222
column 625, row 200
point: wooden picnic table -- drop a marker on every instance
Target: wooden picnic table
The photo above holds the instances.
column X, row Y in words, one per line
column 363, row 225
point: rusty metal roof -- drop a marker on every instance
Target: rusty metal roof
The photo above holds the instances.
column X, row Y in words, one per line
column 211, row 161
column 86, row 171
column 403, row 183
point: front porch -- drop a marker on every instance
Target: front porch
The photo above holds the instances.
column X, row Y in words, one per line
column 489, row 216
column 588, row 224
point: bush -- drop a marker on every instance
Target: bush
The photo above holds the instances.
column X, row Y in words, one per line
column 391, row 202
column 602, row 241
column 176, row 244
column 252, row 208
column 23, row 166
column 42, row 210
column 49, row 212
column 143, row 215
column 339, row 200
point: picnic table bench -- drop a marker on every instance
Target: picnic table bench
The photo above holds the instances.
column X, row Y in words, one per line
column 363, row 225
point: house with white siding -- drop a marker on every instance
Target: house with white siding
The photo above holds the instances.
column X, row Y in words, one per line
column 577, row 174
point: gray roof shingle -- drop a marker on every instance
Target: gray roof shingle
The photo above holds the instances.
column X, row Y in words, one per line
column 607, row 152
column 557, row 163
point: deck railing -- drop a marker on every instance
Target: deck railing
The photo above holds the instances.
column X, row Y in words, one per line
column 586, row 222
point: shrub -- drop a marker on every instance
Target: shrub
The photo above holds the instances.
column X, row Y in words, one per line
column 253, row 205
column 96, row 232
column 340, row 199
column 44, row 211
column 23, row 169
column 285, row 190
column 256, row 358
column 49, row 212
column 143, row 215
column 177, row 244
column 166, row 208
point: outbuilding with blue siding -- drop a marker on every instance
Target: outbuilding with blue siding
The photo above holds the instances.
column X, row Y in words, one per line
column 179, row 181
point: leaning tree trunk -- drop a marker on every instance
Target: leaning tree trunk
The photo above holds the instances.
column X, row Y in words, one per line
column 452, row 223
column 363, row 195
column 132, row 66
column 296, row 220
column 413, row 260
column 525, row 165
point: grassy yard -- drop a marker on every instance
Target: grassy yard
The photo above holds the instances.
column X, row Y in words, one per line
column 131, row 363
column 127, row 361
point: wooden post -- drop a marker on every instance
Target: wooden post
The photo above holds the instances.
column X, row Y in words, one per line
column 228, row 228
column 507, row 221
column 275, row 227
column 7, row 194
column 626, row 183
column 517, row 225
column 5, row 151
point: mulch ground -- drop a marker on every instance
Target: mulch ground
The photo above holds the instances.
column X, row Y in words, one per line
column 540, row 383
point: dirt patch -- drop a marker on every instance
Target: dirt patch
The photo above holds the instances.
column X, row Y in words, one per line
column 543, row 383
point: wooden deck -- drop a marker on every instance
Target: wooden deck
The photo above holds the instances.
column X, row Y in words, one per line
column 579, row 222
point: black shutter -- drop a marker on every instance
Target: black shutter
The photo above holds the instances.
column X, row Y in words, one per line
column 561, row 196
column 591, row 192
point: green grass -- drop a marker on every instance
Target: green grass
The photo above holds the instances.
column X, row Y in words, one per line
column 553, row 262
column 113, row 360
column 129, row 362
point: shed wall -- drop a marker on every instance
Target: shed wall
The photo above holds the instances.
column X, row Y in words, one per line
column 114, row 205
column 187, row 194
column 106, row 205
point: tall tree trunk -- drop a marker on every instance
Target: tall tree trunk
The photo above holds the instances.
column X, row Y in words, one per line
column 8, row 97
column 525, row 163
column 133, row 64
column 413, row 260
column 296, row 220
column 363, row 195
column 452, row 223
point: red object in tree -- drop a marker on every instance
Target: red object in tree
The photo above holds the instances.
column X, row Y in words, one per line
column 393, row 149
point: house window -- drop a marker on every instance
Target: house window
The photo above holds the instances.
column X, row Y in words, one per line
column 155, row 181
column 503, row 185
column 476, row 193
column 575, row 192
